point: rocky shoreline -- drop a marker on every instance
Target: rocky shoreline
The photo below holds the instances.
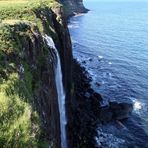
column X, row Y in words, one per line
column 85, row 109
column 88, row 113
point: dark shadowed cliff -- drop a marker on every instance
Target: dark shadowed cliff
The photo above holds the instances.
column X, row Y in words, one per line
column 73, row 7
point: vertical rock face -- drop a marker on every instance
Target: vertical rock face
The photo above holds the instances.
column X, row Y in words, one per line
column 47, row 94
column 65, row 51
column 73, row 7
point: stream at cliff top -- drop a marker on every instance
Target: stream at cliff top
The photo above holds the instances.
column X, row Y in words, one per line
column 60, row 92
column 111, row 41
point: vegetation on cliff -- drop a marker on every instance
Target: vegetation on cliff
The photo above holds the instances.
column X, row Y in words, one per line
column 20, row 124
column 29, row 115
column 23, row 56
column 35, row 11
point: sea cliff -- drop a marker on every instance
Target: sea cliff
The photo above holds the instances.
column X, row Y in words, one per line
column 29, row 112
column 73, row 7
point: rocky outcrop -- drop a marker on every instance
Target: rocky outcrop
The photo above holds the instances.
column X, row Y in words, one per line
column 73, row 7
column 121, row 110
column 116, row 110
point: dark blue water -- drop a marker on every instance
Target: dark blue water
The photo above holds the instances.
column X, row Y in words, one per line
column 111, row 41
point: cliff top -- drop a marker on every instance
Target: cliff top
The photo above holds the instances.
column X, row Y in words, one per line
column 35, row 12
column 24, row 9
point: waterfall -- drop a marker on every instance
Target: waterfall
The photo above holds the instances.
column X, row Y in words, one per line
column 60, row 92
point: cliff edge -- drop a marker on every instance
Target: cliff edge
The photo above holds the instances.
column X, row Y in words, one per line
column 28, row 95
column 73, row 7
column 29, row 112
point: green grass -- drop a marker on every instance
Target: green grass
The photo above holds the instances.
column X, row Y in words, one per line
column 20, row 124
column 18, row 7
column 16, row 126
column 25, row 10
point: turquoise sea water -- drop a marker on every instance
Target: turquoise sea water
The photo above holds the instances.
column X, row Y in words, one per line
column 111, row 41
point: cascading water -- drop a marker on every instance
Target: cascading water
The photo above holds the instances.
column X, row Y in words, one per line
column 60, row 92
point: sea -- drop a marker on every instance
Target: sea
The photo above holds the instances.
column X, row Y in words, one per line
column 111, row 42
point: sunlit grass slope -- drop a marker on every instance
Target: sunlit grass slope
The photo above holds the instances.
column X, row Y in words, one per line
column 20, row 125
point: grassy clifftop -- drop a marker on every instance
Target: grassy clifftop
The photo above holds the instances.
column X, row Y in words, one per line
column 23, row 55
column 26, row 10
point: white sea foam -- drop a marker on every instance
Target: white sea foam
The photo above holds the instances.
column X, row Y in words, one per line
column 100, row 57
column 137, row 105
column 73, row 26
column 110, row 63
column 108, row 140
column 78, row 14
